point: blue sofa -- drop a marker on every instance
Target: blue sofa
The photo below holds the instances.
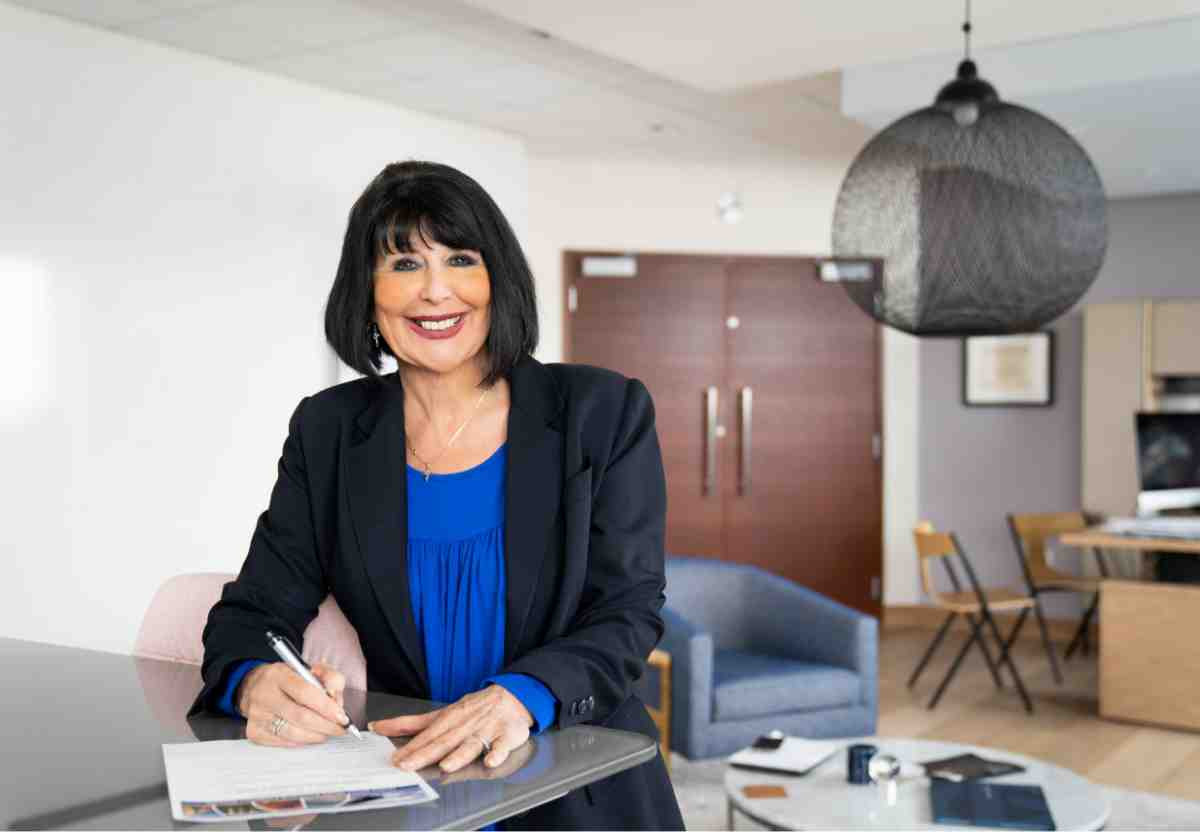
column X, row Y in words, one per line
column 752, row 652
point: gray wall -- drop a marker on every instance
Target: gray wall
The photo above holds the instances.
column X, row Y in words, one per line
column 977, row 464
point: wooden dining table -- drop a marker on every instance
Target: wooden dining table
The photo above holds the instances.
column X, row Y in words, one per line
column 1149, row 668
column 1096, row 538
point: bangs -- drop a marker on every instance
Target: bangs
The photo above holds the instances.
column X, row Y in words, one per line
column 433, row 215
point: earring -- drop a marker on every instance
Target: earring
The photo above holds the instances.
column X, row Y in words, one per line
column 375, row 335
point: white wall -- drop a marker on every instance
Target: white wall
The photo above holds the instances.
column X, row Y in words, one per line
column 901, row 470
column 169, row 229
column 659, row 205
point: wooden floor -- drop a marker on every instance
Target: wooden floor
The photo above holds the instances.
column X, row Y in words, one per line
column 1065, row 727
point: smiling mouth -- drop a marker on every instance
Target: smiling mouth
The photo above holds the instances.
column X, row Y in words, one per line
column 437, row 324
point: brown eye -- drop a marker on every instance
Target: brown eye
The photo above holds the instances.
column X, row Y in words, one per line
column 462, row 260
column 404, row 264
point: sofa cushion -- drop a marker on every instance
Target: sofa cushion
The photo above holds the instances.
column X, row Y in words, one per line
column 747, row 685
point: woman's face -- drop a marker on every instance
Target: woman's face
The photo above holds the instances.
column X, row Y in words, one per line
column 432, row 304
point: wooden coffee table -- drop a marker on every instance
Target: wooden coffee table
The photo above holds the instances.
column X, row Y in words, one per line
column 823, row 799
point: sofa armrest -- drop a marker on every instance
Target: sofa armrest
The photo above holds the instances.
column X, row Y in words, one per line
column 691, row 674
column 794, row 621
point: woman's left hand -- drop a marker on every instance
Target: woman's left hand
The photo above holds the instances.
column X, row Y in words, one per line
column 454, row 736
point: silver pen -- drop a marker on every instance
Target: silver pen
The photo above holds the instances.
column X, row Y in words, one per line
column 283, row 648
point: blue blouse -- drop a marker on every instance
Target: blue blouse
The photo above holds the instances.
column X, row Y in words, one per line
column 456, row 583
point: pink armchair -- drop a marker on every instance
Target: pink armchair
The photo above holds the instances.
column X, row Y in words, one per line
column 172, row 627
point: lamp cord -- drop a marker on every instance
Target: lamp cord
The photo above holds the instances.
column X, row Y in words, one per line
column 966, row 28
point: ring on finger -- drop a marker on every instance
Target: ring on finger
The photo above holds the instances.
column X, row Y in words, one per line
column 277, row 725
column 487, row 746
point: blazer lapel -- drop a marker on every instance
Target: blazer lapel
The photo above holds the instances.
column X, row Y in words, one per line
column 377, row 487
column 533, row 490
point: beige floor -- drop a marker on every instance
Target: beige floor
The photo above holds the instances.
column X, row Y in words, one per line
column 1065, row 727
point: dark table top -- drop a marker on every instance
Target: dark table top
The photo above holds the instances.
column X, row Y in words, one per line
column 81, row 735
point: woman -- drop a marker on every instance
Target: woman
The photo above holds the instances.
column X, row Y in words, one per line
column 491, row 526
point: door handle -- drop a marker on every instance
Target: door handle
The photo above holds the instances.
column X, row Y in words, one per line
column 710, row 441
column 747, row 405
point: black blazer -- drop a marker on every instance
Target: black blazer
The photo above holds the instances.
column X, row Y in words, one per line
column 584, row 524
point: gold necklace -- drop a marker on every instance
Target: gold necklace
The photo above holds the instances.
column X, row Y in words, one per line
column 429, row 465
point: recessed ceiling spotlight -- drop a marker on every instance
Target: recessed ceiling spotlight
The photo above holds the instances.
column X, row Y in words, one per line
column 729, row 208
column 658, row 127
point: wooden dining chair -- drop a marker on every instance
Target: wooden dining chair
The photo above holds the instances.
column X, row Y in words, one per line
column 974, row 603
column 658, row 667
column 1030, row 532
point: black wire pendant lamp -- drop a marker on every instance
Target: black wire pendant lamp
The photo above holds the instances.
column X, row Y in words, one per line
column 989, row 218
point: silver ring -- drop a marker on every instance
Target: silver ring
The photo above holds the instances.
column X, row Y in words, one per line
column 487, row 746
column 277, row 724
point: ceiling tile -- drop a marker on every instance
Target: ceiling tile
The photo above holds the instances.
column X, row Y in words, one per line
column 520, row 82
column 254, row 30
column 114, row 13
column 416, row 54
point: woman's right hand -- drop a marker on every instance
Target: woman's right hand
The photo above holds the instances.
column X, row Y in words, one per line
column 310, row 716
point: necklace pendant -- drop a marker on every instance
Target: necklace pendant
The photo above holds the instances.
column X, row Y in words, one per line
column 427, row 472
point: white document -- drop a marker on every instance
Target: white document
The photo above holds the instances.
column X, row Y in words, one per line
column 223, row 779
column 795, row 756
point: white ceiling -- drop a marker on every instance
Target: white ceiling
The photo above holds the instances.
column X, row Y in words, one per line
column 696, row 78
column 722, row 46
column 447, row 58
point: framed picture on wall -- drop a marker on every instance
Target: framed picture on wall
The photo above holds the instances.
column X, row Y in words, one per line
column 1008, row 370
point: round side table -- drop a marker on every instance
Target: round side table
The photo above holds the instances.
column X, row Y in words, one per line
column 822, row 799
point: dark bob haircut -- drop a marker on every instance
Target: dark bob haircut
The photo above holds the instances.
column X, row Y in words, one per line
column 444, row 205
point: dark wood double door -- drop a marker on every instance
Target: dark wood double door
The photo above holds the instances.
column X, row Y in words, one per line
column 766, row 388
